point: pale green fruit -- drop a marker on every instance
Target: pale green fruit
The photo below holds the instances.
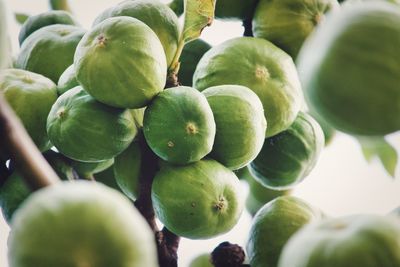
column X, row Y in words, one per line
column 80, row 224
column 357, row 240
column 197, row 201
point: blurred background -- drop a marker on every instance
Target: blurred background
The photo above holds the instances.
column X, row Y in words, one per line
column 342, row 182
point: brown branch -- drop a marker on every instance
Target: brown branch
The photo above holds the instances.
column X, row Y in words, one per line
column 4, row 173
column 248, row 27
column 167, row 244
column 148, row 170
column 17, row 143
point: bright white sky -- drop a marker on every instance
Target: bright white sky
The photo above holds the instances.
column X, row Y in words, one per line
column 342, row 182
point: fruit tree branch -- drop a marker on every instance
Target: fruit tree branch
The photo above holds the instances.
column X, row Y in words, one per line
column 17, row 143
column 248, row 27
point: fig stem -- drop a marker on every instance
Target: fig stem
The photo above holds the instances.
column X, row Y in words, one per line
column 17, row 143
column 173, row 68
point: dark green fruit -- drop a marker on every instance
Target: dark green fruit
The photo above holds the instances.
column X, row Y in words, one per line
column 127, row 169
column 14, row 190
column 107, row 177
column 203, row 260
column 12, row 193
column 50, row 50
column 34, row 23
column 259, row 195
column 190, row 57
column 287, row 158
column 209, row 205
column 350, row 88
column 260, row 66
column 179, row 125
column 240, row 122
column 138, row 115
column 31, row 96
column 121, row 63
column 86, row 130
column 155, row 14
column 87, row 169
column 91, row 225
column 358, row 240
column 272, row 227
column 287, row 23
column 67, row 80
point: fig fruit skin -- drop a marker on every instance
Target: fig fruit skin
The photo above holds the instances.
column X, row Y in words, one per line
column 155, row 14
column 287, row 23
column 36, row 22
column 203, row 260
column 87, row 169
column 75, row 223
column 190, row 57
column 121, row 63
column 240, row 124
column 273, row 225
column 356, row 240
column 258, row 194
column 50, row 50
column 261, row 66
column 289, row 157
column 31, row 96
column 179, row 125
column 210, row 204
column 67, row 80
column 12, row 193
column 127, row 169
column 338, row 86
column 86, row 130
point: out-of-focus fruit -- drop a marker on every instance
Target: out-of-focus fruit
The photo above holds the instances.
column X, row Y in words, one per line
column 34, row 23
column 352, row 89
column 358, row 240
column 31, row 96
column 90, row 225
column 272, row 227
column 287, row 23
column 203, row 260
column 259, row 195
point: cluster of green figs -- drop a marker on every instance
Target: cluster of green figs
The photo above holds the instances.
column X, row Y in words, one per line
column 97, row 104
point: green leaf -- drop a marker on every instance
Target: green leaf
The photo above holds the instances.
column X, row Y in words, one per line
column 21, row 18
column 198, row 14
column 378, row 147
column 60, row 5
column 177, row 7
